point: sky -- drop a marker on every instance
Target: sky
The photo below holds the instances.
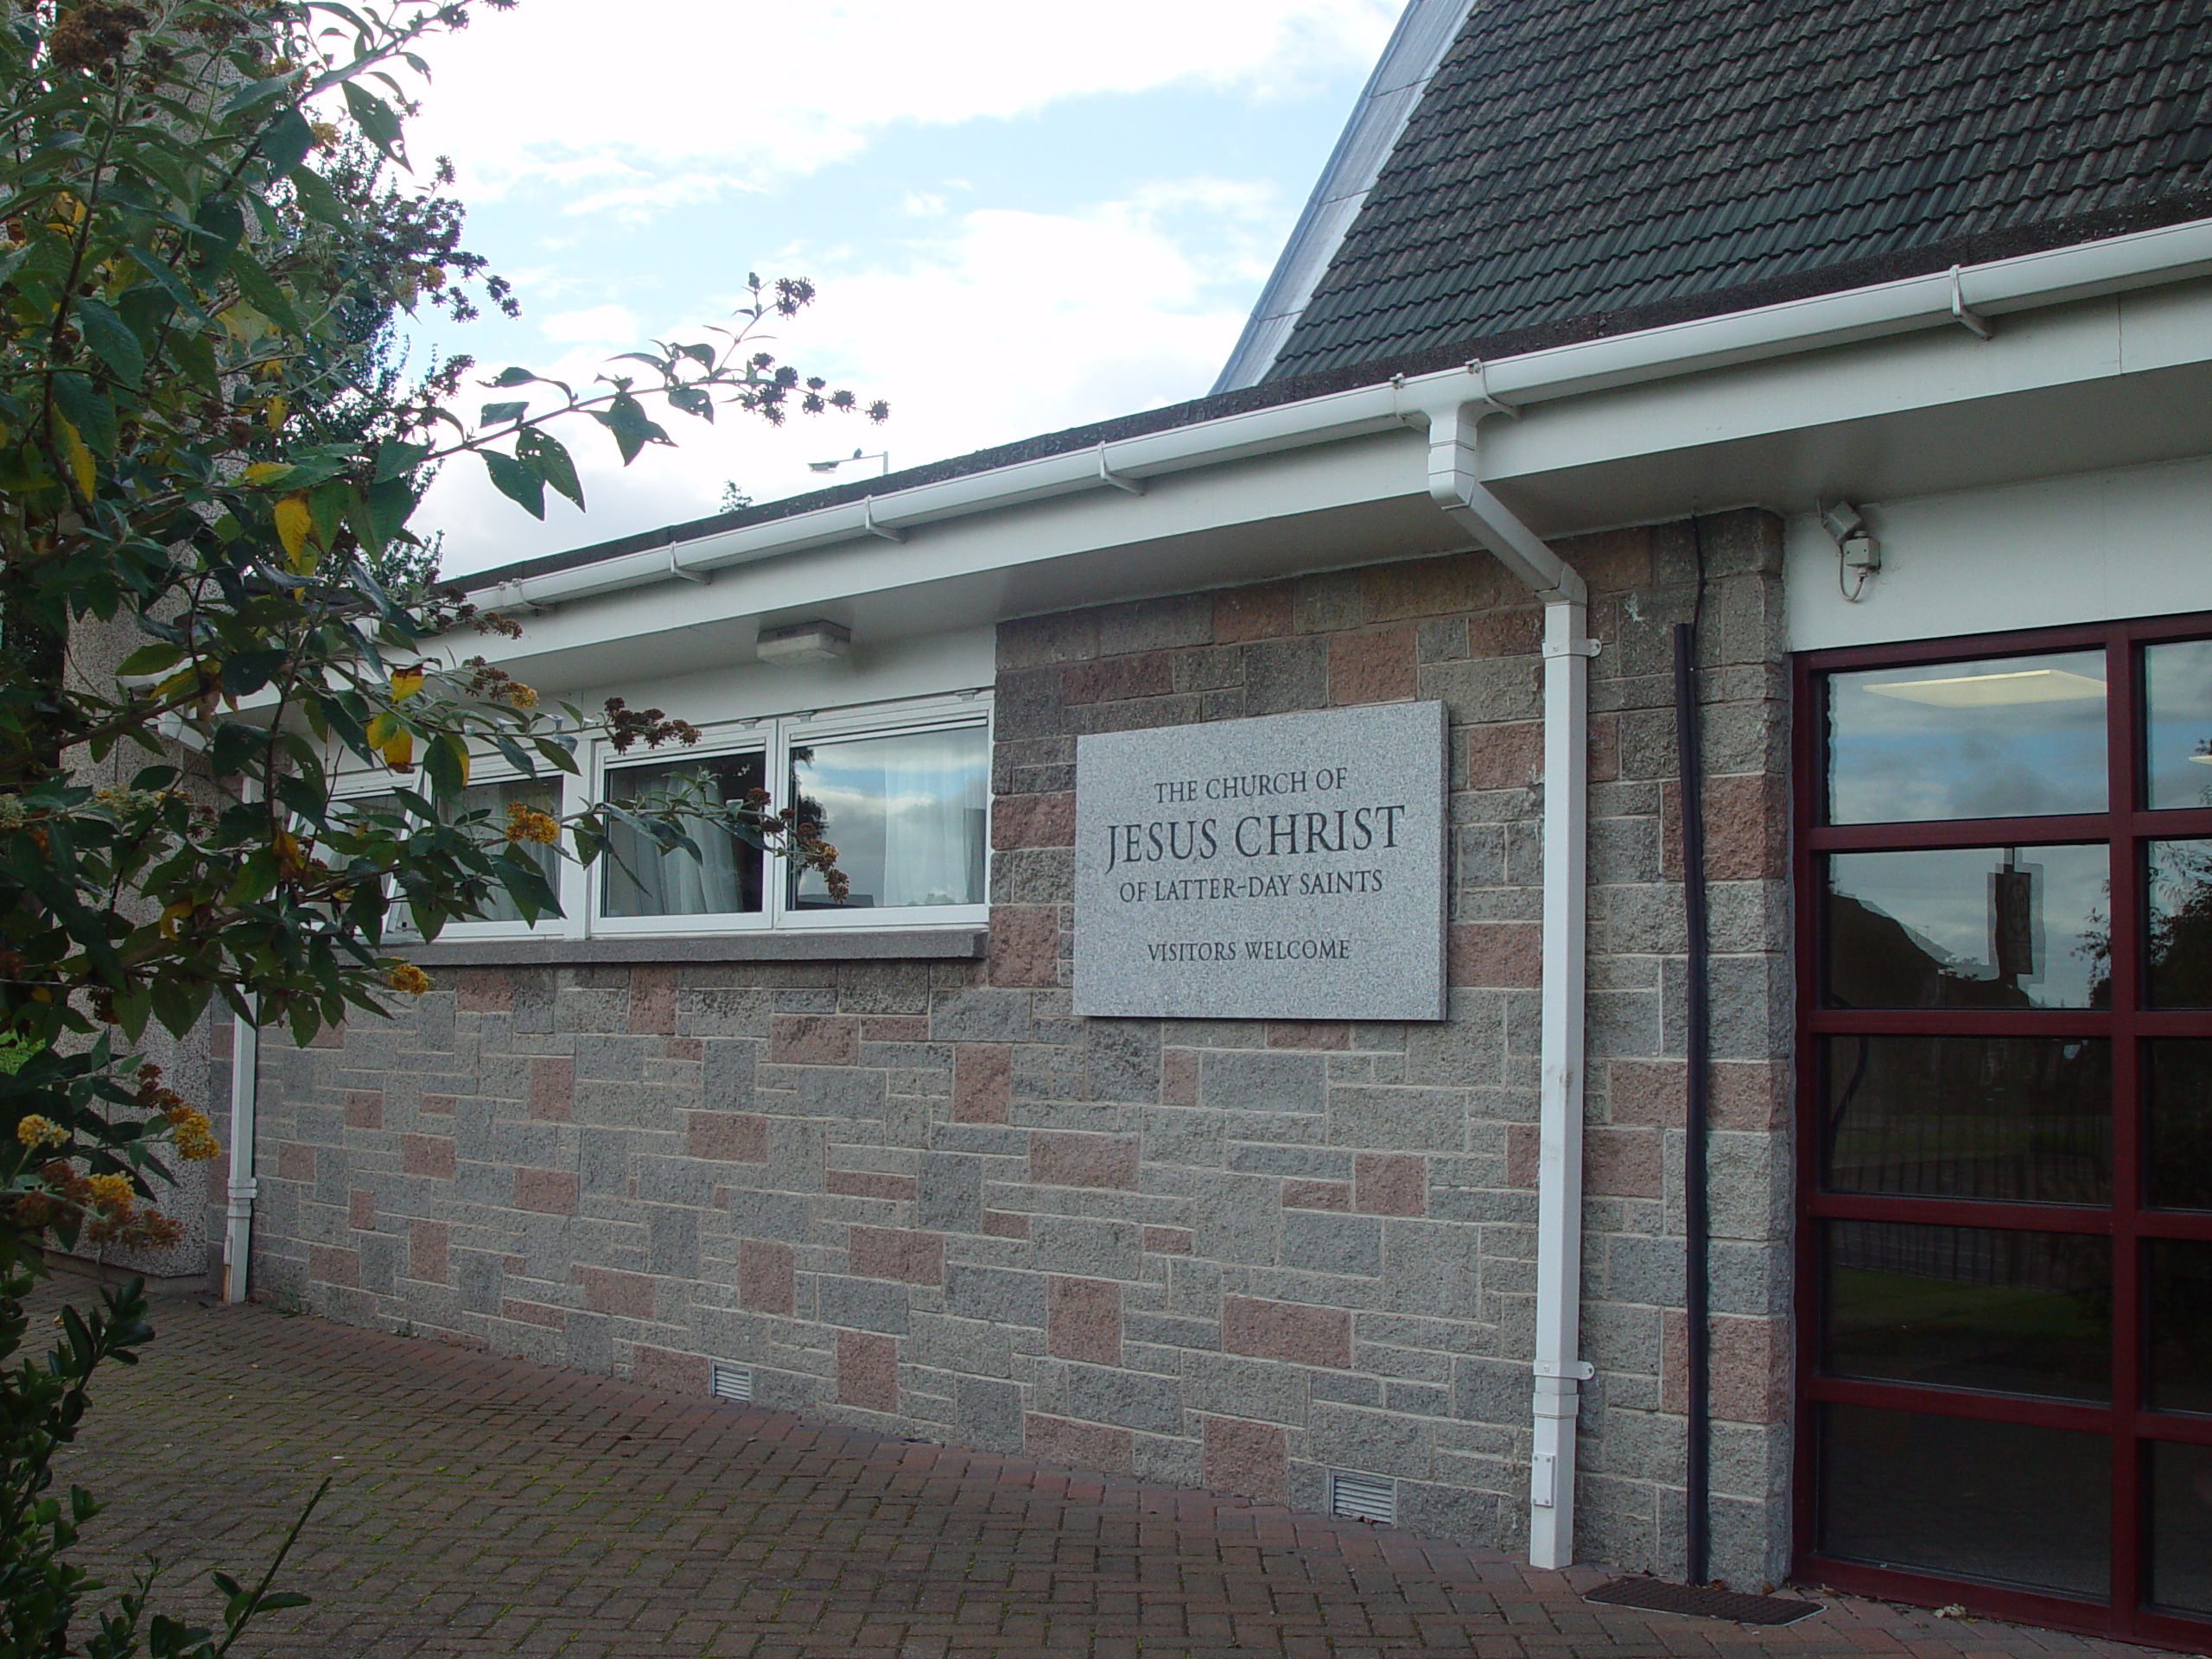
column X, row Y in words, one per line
column 1019, row 217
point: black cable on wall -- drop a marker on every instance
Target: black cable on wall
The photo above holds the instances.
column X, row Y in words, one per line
column 1697, row 1047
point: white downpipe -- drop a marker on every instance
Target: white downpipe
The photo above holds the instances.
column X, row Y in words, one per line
column 1454, row 483
column 237, row 1234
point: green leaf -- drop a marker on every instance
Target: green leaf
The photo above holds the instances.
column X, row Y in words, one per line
column 625, row 418
column 397, row 459
column 234, row 745
column 317, row 199
column 517, row 481
column 149, row 659
column 218, row 228
column 493, row 414
column 286, row 140
column 88, row 410
column 253, row 92
column 375, row 118
column 171, row 282
column 513, row 376
column 551, row 460
column 263, row 294
column 111, row 341
column 446, row 759
column 247, row 672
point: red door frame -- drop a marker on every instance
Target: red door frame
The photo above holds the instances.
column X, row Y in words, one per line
column 2125, row 826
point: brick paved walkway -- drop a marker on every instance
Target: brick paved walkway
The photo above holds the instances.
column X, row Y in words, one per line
column 486, row 1506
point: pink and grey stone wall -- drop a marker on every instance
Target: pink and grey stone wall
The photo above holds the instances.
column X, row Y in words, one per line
column 921, row 1195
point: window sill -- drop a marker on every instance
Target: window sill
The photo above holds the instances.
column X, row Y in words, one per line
column 843, row 944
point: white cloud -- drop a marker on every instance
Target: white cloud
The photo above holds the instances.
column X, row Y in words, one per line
column 678, row 100
column 997, row 325
column 613, row 326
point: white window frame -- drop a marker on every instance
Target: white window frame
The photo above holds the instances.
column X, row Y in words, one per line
column 738, row 737
column 937, row 714
column 775, row 736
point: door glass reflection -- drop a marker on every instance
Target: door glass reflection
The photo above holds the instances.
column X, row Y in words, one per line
column 2179, row 915
column 2001, row 1502
column 2181, row 1526
column 1968, row 1307
column 2026, row 1119
column 2178, row 721
column 2178, row 1123
column 2011, row 737
column 2178, row 1272
column 1983, row 927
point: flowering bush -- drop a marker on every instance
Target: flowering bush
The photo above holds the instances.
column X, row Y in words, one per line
column 207, row 472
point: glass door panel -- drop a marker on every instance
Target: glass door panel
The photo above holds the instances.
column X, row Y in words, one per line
column 2002, row 1502
column 2010, row 1119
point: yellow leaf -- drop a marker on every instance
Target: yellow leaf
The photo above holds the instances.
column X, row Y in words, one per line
column 261, row 471
column 406, row 683
column 399, row 752
column 293, row 523
column 381, row 727
column 78, row 457
column 273, row 412
column 464, row 768
column 173, row 916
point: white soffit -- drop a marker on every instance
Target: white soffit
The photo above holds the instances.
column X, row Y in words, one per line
column 1425, row 32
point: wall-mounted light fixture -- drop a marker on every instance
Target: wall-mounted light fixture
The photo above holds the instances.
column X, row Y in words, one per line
column 805, row 642
column 1855, row 545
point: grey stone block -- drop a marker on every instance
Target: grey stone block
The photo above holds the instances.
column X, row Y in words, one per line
column 1301, row 1163
column 995, row 1293
column 1086, row 1249
column 1241, row 1080
column 988, row 1413
column 980, row 1016
column 1409, row 1120
column 861, row 1304
column 1097, row 1393
column 672, row 1243
column 1229, row 1385
column 949, row 1192
column 1316, row 1240
column 755, row 1213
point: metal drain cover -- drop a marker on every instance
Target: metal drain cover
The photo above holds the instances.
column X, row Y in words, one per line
column 1657, row 1596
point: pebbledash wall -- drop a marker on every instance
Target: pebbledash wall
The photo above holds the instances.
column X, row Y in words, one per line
column 921, row 1195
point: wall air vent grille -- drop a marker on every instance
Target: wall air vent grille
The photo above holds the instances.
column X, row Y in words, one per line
column 734, row 1383
column 1363, row 1497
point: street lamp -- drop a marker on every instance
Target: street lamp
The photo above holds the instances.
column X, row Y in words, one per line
column 883, row 455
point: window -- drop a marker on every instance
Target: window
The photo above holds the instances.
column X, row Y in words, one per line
column 637, row 877
column 493, row 797
column 2006, row 991
column 903, row 793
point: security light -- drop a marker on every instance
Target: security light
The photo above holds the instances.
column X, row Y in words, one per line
column 807, row 642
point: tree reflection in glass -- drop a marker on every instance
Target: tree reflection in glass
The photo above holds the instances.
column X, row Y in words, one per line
column 1977, row 927
column 2179, row 909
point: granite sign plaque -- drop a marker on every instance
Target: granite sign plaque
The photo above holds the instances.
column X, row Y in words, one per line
column 1288, row 867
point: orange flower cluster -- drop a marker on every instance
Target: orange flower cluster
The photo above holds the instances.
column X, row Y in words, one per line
column 189, row 1129
column 528, row 824
column 108, row 1208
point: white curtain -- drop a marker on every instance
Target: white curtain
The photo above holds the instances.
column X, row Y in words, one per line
column 934, row 802
column 647, row 880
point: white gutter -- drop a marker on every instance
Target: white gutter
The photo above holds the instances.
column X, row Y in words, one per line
column 1455, row 484
column 237, row 1234
column 2142, row 259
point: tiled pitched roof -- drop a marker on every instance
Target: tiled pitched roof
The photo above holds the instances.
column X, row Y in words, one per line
column 1572, row 160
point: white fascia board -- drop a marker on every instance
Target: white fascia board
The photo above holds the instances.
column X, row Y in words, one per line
column 1425, row 32
column 1807, row 329
column 988, row 551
